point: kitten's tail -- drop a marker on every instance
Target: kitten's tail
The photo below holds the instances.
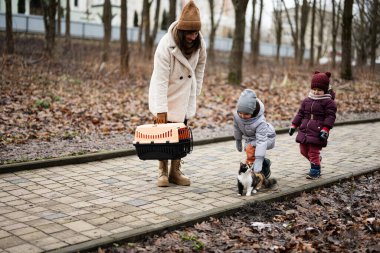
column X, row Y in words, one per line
column 269, row 183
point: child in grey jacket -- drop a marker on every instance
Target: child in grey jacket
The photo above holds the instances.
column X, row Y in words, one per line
column 250, row 124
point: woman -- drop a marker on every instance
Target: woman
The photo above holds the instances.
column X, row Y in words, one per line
column 177, row 78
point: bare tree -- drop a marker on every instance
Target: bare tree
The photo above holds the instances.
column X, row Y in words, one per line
column 236, row 55
column 253, row 26
column 172, row 11
column 150, row 37
column 141, row 28
column 277, row 10
column 59, row 12
column 311, row 62
column 375, row 20
column 124, row 52
column 335, row 29
column 67, row 30
column 50, row 8
column 9, row 28
column 322, row 14
column 346, row 69
column 294, row 30
column 107, row 27
column 304, row 18
column 214, row 27
column 361, row 39
column 256, row 38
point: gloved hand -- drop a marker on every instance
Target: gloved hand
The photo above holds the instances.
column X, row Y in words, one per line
column 239, row 145
column 161, row 118
column 292, row 129
column 324, row 134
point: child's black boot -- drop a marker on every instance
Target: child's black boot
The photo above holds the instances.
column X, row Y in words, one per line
column 315, row 171
column 266, row 168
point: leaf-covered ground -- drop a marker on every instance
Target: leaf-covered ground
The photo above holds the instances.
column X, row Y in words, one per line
column 342, row 218
column 68, row 102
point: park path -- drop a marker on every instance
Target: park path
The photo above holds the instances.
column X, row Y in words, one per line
column 70, row 208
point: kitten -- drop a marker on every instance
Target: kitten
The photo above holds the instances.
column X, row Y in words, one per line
column 252, row 182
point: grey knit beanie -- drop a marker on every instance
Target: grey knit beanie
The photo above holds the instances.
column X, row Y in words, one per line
column 247, row 101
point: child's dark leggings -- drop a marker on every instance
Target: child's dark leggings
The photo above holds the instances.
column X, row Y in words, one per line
column 311, row 152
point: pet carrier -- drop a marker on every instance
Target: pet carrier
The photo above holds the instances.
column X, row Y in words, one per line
column 169, row 141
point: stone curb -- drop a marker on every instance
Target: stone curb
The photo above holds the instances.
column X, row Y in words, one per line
column 98, row 156
column 137, row 234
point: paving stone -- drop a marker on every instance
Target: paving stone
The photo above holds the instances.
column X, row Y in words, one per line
column 54, row 246
column 76, row 239
column 10, row 241
column 23, row 248
column 4, row 234
column 79, row 226
column 96, row 233
column 22, row 231
column 51, row 228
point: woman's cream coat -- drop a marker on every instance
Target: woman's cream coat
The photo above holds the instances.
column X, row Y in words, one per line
column 176, row 81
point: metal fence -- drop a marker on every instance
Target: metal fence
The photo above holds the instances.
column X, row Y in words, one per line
column 35, row 24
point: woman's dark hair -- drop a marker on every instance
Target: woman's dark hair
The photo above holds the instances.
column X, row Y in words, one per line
column 184, row 46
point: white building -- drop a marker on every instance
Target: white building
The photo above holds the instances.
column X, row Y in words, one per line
column 90, row 11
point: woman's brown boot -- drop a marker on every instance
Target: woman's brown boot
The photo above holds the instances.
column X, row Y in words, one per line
column 176, row 176
column 163, row 180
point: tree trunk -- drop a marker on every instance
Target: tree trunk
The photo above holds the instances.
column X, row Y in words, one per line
column 9, row 27
column 124, row 52
column 50, row 9
column 214, row 27
column 141, row 28
column 253, row 27
column 107, row 26
column 155, row 28
column 172, row 11
column 148, row 43
column 212, row 32
column 256, row 43
column 374, row 25
column 293, row 30
column 322, row 12
column 346, row 68
column 361, row 39
column 304, row 18
column 311, row 62
column 67, row 30
column 236, row 55
column 59, row 18
column 278, row 27
column 335, row 30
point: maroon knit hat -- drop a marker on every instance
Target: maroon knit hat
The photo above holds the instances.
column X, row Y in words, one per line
column 321, row 80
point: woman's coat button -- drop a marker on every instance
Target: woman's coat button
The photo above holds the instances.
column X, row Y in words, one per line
column 189, row 76
column 181, row 77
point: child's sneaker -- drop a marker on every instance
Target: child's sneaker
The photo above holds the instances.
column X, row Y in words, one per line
column 312, row 176
column 315, row 172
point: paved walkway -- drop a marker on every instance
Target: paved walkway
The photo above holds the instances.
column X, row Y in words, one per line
column 69, row 208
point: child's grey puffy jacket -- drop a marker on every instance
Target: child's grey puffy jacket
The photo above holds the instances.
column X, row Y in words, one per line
column 257, row 132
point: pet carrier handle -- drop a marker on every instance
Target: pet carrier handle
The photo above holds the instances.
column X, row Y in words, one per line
column 191, row 140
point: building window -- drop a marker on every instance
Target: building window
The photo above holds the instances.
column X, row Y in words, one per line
column 36, row 7
column 76, row 3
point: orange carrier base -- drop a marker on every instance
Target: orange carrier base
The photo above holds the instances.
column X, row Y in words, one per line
column 169, row 141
